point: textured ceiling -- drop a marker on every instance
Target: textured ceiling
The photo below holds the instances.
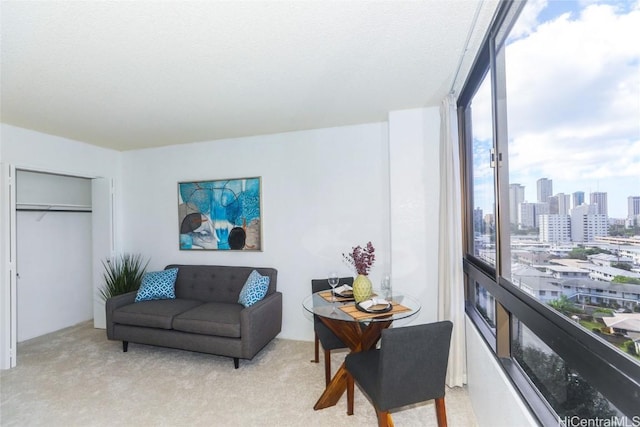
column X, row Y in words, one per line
column 137, row 74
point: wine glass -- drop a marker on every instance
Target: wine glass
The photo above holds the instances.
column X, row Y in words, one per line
column 385, row 287
column 333, row 282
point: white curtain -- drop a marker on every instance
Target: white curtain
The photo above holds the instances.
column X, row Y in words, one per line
column 450, row 280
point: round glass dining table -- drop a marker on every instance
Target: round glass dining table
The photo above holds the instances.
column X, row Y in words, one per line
column 320, row 304
column 358, row 329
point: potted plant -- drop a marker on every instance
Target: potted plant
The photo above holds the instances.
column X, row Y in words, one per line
column 122, row 275
column 361, row 259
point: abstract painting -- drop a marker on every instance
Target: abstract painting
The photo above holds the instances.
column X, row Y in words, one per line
column 221, row 214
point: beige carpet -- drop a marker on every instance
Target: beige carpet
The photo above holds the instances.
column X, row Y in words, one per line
column 75, row 377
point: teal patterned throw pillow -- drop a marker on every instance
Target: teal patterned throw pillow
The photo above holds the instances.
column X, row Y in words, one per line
column 254, row 289
column 158, row 285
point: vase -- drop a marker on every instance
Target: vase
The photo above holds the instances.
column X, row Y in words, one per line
column 362, row 288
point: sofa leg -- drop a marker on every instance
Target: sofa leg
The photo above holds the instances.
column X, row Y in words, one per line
column 125, row 346
column 236, row 362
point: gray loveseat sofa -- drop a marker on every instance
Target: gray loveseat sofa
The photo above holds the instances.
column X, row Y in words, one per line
column 205, row 316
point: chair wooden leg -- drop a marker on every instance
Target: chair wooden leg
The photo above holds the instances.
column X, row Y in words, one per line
column 349, row 394
column 384, row 418
column 327, row 367
column 441, row 412
column 317, row 349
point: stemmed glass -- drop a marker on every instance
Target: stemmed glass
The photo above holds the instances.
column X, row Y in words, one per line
column 333, row 282
column 385, row 287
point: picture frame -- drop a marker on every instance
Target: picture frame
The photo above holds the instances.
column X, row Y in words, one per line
column 220, row 214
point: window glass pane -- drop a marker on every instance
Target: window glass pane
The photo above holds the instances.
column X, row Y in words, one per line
column 484, row 226
column 569, row 394
column 486, row 305
column 573, row 91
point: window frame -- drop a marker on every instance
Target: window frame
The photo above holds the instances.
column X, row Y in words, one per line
column 614, row 374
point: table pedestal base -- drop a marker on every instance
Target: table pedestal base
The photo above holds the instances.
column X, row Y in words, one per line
column 357, row 339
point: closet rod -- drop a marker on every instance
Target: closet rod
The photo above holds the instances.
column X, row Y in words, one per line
column 47, row 207
column 53, row 210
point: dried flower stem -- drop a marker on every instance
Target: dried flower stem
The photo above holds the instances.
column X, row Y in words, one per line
column 361, row 258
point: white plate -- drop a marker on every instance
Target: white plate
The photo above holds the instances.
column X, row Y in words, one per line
column 375, row 305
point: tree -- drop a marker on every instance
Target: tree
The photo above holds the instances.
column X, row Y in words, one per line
column 563, row 305
column 582, row 253
column 621, row 266
column 577, row 253
column 625, row 279
column 567, row 392
column 621, row 230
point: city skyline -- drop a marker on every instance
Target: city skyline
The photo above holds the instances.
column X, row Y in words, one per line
column 573, row 116
column 614, row 205
column 587, row 194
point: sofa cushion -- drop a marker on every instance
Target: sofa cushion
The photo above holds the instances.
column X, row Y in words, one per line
column 212, row 318
column 158, row 285
column 254, row 289
column 153, row 314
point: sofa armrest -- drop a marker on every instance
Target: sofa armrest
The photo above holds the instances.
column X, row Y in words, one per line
column 114, row 303
column 260, row 323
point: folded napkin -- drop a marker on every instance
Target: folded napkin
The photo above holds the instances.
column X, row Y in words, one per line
column 343, row 288
column 377, row 303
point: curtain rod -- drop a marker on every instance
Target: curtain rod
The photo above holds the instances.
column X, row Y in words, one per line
column 466, row 46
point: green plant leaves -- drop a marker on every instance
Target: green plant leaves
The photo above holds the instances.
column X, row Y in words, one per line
column 122, row 275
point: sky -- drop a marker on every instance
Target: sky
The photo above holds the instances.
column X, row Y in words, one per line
column 573, row 100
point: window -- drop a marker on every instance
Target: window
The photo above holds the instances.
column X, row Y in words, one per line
column 485, row 304
column 484, row 224
column 568, row 393
column 551, row 137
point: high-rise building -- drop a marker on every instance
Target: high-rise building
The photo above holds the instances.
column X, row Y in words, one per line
column 578, row 199
column 600, row 199
column 545, row 189
column 529, row 212
column 478, row 224
column 633, row 207
column 587, row 224
column 555, row 228
column 516, row 196
column 559, row 204
column 489, row 224
column 564, row 204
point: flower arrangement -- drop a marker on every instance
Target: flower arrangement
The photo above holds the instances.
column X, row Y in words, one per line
column 361, row 258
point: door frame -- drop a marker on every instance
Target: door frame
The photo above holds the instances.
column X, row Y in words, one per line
column 103, row 245
column 8, row 302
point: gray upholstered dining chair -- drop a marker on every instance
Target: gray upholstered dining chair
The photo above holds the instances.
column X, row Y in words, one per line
column 323, row 335
column 409, row 367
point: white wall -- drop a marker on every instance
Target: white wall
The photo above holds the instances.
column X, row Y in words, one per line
column 53, row 253
column 54, row 286
column 323, row 191
column 494, row 400
column 414, row 202
column 27, row 149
